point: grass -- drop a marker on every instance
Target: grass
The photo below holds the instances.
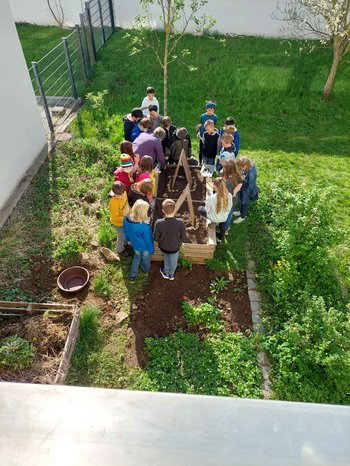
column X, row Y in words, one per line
column 286, row 127
column 37, row 41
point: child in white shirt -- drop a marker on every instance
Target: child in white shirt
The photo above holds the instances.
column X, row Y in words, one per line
column 150, row 99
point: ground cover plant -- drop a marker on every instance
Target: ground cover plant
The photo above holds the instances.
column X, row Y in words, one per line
column 294, row 136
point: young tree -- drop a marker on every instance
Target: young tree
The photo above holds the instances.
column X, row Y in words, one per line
column 56, row 10
column 329, row 20
column 176, row 17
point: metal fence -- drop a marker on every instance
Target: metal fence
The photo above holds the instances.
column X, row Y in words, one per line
column 60, row 76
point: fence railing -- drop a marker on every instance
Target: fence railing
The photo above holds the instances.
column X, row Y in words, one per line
column 60, row 76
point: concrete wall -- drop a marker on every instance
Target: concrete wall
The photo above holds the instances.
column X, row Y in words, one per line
column 252, row 17
column 22, row 135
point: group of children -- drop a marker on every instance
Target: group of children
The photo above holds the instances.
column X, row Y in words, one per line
column 151, row 143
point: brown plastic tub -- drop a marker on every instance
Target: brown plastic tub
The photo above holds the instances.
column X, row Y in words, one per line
column 73, row 279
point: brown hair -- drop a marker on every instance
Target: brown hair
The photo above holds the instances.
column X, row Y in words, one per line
column 146, row 164
column 245, row 163
column 145, row 186
column 227, row 138
column 166, row 120
column 146, row 123
column 118, row 188
column 126, row 148
column 168, row 206
column 160, row 133
column 231, row 172
column 222, row 194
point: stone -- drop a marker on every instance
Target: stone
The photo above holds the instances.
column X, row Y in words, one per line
column 94, row 244
column 250, row 274
column 251, row 265
column 84, row 257
column 252, row 284
column 254, row 295
column 134, row 307
column 109, row 255
column 120, row 317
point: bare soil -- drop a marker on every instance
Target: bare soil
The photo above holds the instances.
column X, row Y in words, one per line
column 165, row 180
column 159, row 308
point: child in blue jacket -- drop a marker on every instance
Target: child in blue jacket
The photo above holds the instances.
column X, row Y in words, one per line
column 137, row 231
column 248, row 189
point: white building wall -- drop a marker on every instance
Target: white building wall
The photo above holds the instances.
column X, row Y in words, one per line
column 22, row 135
column 250, row 17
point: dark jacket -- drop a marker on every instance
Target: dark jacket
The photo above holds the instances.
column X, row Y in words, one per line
column 134, row 196
column 128, row 126
column 170, row 233
column 169, row 137
column 177, row 147
column 210, row 144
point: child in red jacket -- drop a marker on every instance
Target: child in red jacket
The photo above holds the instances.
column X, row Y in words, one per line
column 124, row 172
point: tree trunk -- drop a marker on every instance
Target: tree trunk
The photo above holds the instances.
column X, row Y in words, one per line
column 165, row 69
column 333, row 71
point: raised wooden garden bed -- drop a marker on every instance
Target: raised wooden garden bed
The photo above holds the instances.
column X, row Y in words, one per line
column 51, row 328
column 187, row 188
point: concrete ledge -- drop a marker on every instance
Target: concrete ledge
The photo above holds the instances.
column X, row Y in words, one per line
column 21, row 186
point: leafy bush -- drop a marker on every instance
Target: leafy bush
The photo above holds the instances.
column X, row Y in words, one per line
column 205, row 314
column 106, row 234
column 186, row 262
column 307, row 338
column 16, row 353
column 219, row 365
column 68, row 248
column 102, row 286
column 92, row 150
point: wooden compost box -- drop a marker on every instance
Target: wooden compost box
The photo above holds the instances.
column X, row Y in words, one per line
column 52, row 329
column 189, row 189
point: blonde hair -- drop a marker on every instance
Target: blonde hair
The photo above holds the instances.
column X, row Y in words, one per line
column 222, row 195
column 209, row 123
column 168, row 206
column 229, row 129
column 227, row 138
column 139, row 212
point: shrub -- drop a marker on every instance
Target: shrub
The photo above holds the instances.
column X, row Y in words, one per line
column 16, row 353
column 68, row 248
column 102, row 286
column 186, row 262
column 106, row 234
column 92, row 150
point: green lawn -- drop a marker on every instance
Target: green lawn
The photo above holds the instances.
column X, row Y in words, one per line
column 293, row 134
column 37, row 41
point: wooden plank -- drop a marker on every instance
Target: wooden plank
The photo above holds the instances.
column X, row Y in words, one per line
column 182, row 198
column 190, row 206
column 16, row 304
column 184, row 163
column 68, row 348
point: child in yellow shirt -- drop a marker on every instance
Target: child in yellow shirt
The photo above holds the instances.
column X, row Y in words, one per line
column 118, row 209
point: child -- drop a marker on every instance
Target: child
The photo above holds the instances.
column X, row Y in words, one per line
column 230, row 128
column 170, row 233
column 210, row 107
column 169, row 135
column 155, row 118
column 136, row 131
column 210, row 143
column 218, row 206
column 182, row 141
column 150, row 144
column 118, row 209
column 147, row 171
column 232, row 178
column 130, row 121
column 138, row 232
column 124, row 172
column 150, row 99
column 141, row 190
column 227, row 151
column 248, row 189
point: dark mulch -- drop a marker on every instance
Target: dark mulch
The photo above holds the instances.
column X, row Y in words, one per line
column 160, row 312
column 166, row 178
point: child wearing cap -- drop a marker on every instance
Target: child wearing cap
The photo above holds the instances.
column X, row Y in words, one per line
column 150, row 99
column 118, row 210
column 210, row 107
column 124, row 172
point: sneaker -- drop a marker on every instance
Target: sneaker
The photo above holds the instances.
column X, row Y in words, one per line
column 123, row 253
column 164, row 275
column 132, row 279
column 171, row 277
column 239, row 220
column 227, row 232
column 218, row 240
column 236, row 213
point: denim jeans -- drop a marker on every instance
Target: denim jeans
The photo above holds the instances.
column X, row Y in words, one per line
column 230, row 215
column 142, row 259
column 170, row 263
column 120, row 238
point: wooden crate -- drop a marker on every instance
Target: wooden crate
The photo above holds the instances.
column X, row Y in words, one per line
column 198, row 253
column 13, row 309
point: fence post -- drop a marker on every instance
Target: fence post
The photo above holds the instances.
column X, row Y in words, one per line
column 88, row 14
column 43, row 96
column 82, row 54
column 69, row 67
column 111, row 14
column 86, row 45
column 101, row 20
